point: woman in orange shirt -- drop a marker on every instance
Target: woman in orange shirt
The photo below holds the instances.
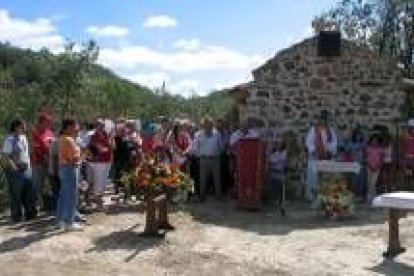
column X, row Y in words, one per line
column 69, row 164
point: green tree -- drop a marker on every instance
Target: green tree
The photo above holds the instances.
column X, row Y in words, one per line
column 387, row 26
column 68, row 75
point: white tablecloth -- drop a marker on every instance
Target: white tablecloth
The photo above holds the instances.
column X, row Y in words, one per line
column 397, row 200
column 336, row 167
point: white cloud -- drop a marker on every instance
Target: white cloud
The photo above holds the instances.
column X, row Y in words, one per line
column 205, row 58
column 160, row 21
column 188, row 67
column 185, row 87
column 231, row 82
column 34, row 34
column 108, row 31
column 308, row 31
column 151, row 80
column 305, row 33
column 154, row 80
column 188, row 44
column 185, row 71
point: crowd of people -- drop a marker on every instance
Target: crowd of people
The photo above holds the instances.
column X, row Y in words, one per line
column 380, row 156
column 46, row 173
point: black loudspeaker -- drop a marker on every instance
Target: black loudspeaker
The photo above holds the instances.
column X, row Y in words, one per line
column 329, row 43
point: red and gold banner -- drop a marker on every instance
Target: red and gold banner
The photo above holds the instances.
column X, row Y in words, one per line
column 250, row 158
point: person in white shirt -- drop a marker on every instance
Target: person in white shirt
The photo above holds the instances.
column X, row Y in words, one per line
column 18, row 171
column 207, row 146
column 84, row 137
column 321, row 143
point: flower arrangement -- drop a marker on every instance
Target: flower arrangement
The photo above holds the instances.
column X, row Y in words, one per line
column 153, row 175
column 335, row 197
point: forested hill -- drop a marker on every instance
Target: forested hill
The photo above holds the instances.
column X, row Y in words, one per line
column 72, row 83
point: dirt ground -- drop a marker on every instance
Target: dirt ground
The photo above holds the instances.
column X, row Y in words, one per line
column 212, row 238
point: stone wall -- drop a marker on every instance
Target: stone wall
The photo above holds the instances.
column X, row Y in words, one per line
column 357, row 87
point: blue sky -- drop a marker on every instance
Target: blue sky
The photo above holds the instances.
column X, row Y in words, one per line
column 192, row 45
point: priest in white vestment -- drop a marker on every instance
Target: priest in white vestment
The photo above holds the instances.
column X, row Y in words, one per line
column 321, row 143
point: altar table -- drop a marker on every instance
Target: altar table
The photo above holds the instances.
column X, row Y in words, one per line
column 397, row 203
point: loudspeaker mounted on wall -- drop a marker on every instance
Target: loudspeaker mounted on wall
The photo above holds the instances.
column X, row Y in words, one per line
column 329, row 43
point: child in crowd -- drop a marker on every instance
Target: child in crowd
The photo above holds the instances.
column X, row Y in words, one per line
column 387, row 171
column 345, row 155
column 375, row 158
column 162, row 155
column 277, row 166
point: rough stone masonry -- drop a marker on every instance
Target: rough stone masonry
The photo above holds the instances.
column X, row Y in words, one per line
column 289, row 90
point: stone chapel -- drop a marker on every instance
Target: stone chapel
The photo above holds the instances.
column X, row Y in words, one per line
column 356, row 87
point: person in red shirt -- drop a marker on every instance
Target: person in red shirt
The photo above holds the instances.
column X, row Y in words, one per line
column 101, row 147
column 148, row 137
column 157, row 140
column 42, row 137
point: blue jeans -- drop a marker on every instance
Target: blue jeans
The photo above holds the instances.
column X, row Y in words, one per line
column 69, row 178
column 55, row 183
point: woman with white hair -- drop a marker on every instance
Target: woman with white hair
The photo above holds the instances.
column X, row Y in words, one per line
column 179, row 142
column 134, row 142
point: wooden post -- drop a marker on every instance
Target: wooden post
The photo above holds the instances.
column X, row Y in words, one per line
column 151, row 228
column 156, row 216
column 394, row 245
column 162, row 204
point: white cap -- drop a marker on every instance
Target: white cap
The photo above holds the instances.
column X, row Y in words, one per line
column 109, row 125
column 411, row 123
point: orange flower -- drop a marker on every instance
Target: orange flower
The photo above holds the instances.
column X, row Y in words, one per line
column 143, row 183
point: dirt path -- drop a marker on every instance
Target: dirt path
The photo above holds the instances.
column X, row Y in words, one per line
column 211, row 239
